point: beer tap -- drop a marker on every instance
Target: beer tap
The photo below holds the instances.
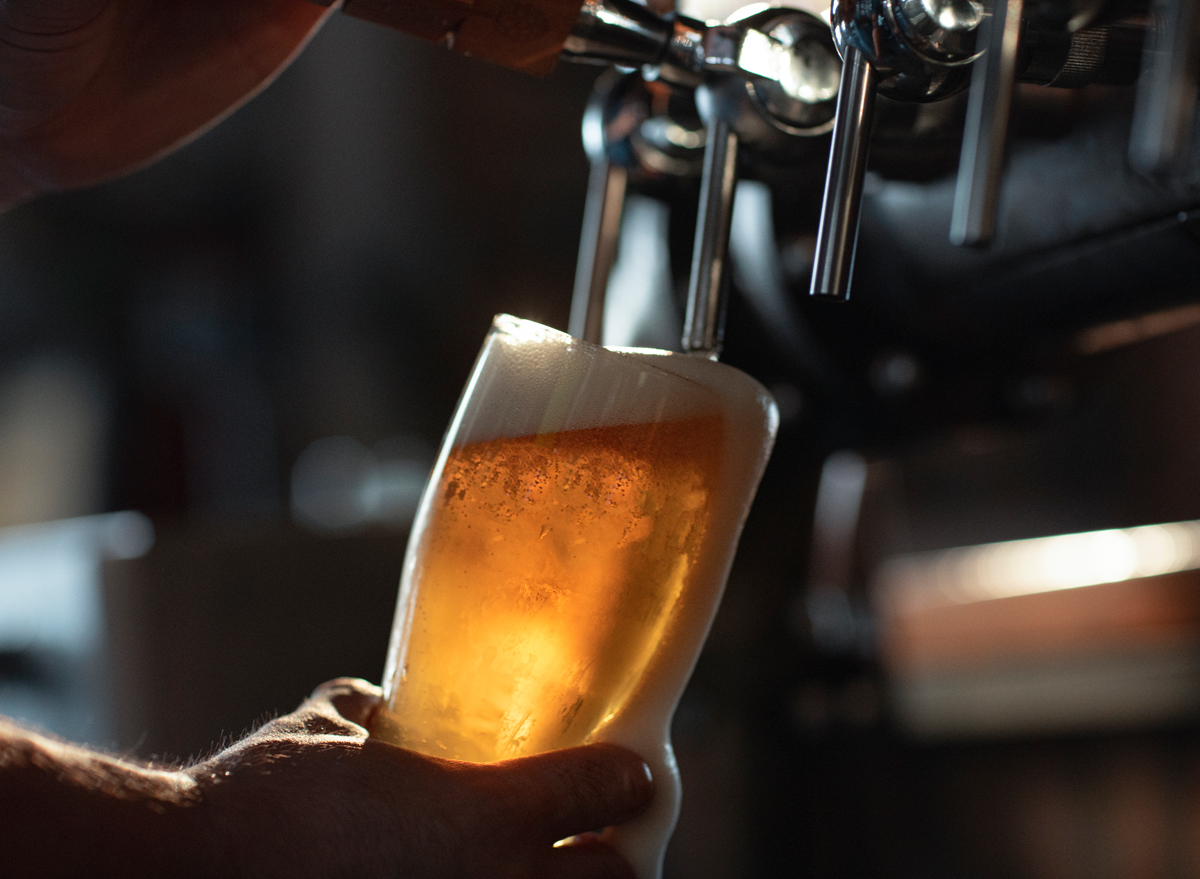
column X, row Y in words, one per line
column 611, row 115
column 626, row 34
column 925, row 50
column 767, row 81
column 708, row 284
column 916, row 50
column 633, row 132
column 787, row 102
column 771, row 76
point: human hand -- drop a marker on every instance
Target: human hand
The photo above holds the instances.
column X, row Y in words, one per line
column 90, row 89
column 310, row 795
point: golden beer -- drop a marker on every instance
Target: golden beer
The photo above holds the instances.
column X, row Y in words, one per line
column 569, row 554
column 547, row 572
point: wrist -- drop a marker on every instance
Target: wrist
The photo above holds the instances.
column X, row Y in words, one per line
column 72, row 812
column 209, row 820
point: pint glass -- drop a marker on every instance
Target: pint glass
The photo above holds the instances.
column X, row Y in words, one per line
column 569, row 554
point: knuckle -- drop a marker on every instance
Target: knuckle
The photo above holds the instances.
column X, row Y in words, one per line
column 347, row 686
column 350, row 700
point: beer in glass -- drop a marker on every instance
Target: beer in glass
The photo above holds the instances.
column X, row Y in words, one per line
column 569, row 553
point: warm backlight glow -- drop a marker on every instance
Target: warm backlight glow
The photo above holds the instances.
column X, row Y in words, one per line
column 1043, row 564
column 547, row 573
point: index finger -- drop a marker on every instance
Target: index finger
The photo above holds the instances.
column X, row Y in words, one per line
column 562, row 793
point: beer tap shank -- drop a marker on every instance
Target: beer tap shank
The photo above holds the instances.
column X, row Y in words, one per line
column 833, row 259
column 704, row 323
column 916, row 50
column 602, row 212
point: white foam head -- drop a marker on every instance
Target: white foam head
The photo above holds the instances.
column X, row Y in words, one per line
column 530, row 379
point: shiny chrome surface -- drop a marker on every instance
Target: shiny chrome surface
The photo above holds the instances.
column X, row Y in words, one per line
column 796, row 68
column 787, row 54
column 684, row 61
column 623, row 136
column 833, row 260
column 942, row 30
column 977, row 192
column 782, row 94
column 721, row 46
column 1166, row 97
column 597, row 248
column 918, row 59
column 703, row 326
column 617, row 32
column 770, row 78
column 626, row 123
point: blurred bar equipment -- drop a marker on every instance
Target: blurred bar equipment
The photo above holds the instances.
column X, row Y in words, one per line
column 925, row 51
column 766, row 79
column 54, row 650
column 1068, row 632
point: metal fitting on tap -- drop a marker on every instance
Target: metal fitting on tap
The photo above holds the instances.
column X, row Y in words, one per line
column 780, row 89
column 921, row 50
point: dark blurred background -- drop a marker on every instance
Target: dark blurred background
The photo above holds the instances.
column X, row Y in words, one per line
column 319, row 269
column 255, row 345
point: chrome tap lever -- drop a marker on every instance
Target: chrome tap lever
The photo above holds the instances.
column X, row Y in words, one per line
column 1166, row 95
column 704, row 322
column 632, row 136
column 914, row 50
column 770, row 77
column 773, row 92
column 976, row 195
column 597, row 248
column 837, row 233
column 617, row 107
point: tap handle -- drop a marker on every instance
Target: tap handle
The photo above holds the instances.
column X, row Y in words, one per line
column 1166, row 94
column 837, row 233
column 988, row 104
column 597, row 248
column 617, row 107
column 704, row 322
